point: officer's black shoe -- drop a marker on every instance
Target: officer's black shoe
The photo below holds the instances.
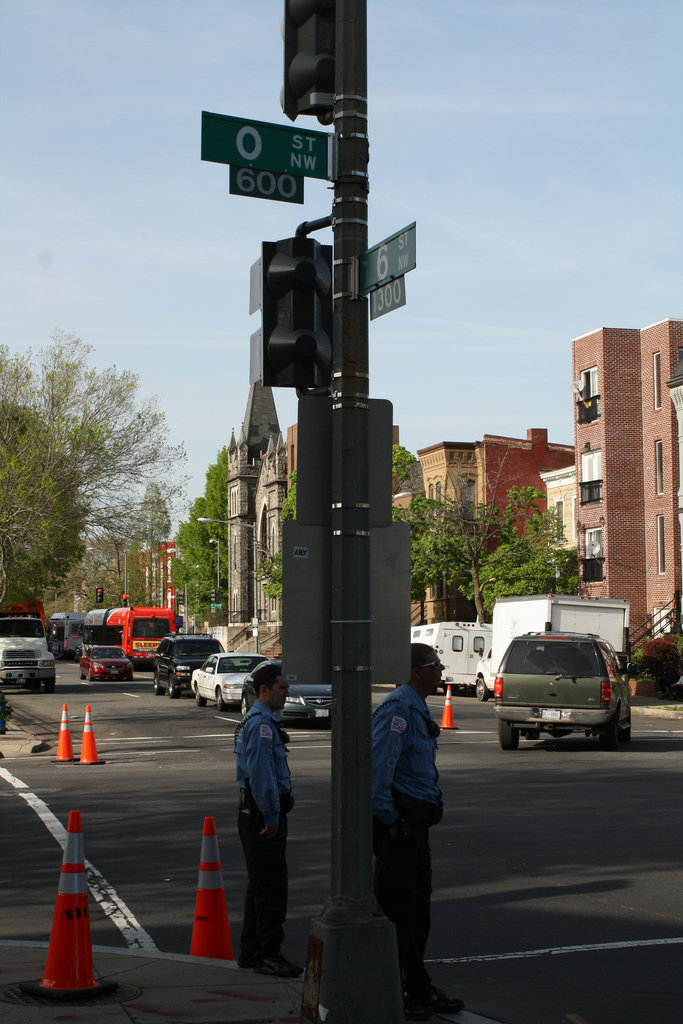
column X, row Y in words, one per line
column 442, row 1003
column 248, row 960
column 417, row 1009
column 278, row 966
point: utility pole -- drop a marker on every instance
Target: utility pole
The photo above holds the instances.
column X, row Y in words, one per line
column 352, row 968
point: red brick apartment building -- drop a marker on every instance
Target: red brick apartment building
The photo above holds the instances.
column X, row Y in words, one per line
column 627, row 466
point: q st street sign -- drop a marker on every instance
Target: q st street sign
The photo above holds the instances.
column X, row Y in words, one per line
column 263, row 146
column 387, row 260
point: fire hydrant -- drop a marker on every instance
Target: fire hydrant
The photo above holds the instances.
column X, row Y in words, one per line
column 5, row 713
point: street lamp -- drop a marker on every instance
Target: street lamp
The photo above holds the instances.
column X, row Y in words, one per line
column 217, row 542
column 252, row 527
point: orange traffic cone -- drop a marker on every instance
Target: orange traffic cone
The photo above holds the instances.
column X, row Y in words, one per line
column 65, row 750
column 447, row 717
column 211, row 930
column 68, row 970
column 88, row 747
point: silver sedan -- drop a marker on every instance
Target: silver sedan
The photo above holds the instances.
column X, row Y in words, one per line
column 221, row 677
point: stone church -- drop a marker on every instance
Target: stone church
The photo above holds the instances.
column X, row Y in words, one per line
column 257, row 487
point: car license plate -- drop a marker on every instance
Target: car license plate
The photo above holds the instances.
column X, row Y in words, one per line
column 551, row 714
column 322, row 714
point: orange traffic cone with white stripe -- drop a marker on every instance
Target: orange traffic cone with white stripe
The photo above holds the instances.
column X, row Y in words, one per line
column 211, row 930
column 68, row 970
column 447, row 717
column 65, row 750
column 88, row 746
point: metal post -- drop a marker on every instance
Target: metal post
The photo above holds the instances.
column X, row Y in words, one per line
column 352, row 945
column 253, row 529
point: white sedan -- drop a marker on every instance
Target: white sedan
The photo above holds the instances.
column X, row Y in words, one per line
column 221, row 677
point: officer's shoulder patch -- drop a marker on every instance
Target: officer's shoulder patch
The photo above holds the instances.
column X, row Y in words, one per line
column 265, row 732
column 398, row 724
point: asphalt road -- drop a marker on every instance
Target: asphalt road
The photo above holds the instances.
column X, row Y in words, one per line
column 558, row 885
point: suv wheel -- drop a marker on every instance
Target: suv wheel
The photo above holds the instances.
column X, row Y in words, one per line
column 625, row 730
column 198, row 699
column 609, row 734
column 508, row 736
column 482, row 689
column 156, row 685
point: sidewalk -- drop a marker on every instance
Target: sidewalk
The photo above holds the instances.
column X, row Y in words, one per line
column 173, row 988
column 162, row 987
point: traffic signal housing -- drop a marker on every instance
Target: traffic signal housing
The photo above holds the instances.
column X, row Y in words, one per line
column 308, row 32
column 213, row 597
column 296, row 304
column 99, row 595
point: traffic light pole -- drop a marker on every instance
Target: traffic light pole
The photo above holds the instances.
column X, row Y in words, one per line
column 352, row 970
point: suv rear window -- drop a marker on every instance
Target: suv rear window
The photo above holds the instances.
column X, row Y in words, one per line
column 552, row 657
column 201, row 649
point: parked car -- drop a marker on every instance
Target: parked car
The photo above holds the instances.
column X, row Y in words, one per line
column 99, row 662
column 559, row 683
column 306, row 701
column 221, row 678
column 176, row 658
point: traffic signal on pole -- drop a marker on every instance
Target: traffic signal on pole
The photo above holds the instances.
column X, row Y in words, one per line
column 296, row 304
column 213, row 597
column 308, row 32
column 99, row 595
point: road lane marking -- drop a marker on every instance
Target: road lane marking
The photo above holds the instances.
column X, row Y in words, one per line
column 103, row 893
column 558, row 951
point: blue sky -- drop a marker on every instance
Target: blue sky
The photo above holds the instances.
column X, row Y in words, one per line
column 538, row 146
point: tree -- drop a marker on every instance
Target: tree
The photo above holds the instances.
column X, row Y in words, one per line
column 196, row 564
column 269, row 571
column 77, row 448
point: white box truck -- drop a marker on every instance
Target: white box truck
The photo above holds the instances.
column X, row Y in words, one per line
column 607, row 617
column 459, row 645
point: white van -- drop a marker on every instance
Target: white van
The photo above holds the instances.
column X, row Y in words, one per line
column 459, row 645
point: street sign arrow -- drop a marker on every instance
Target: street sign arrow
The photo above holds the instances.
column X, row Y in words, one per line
column 270, row 147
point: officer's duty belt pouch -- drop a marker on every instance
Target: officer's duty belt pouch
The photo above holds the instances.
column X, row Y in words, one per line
column 415, row 813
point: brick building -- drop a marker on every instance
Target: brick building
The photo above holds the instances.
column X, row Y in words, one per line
column 627, row 467
column 483, row 472
column 257, row 487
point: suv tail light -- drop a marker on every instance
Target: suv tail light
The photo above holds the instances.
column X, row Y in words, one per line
column 498, row 687
column 605, row 691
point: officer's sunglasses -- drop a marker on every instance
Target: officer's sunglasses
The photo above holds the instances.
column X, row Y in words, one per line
column 431, row 664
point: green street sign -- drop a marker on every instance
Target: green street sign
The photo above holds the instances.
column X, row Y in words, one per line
column 245, row 181
column 260, row 145
column 391, row 258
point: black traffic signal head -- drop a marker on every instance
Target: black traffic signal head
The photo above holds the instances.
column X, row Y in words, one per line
column 308, row 31
column 213, row 597
column 296, row 303
column 99, row 595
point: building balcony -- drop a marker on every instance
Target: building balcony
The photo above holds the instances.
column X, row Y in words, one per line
column 593, row 570
column 588, row 409
column 591, row 491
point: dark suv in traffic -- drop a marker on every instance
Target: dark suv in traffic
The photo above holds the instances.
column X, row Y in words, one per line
column 177, row 657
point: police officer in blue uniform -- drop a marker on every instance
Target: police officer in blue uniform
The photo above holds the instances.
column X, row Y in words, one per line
column 406, row 802
column 265, row 799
